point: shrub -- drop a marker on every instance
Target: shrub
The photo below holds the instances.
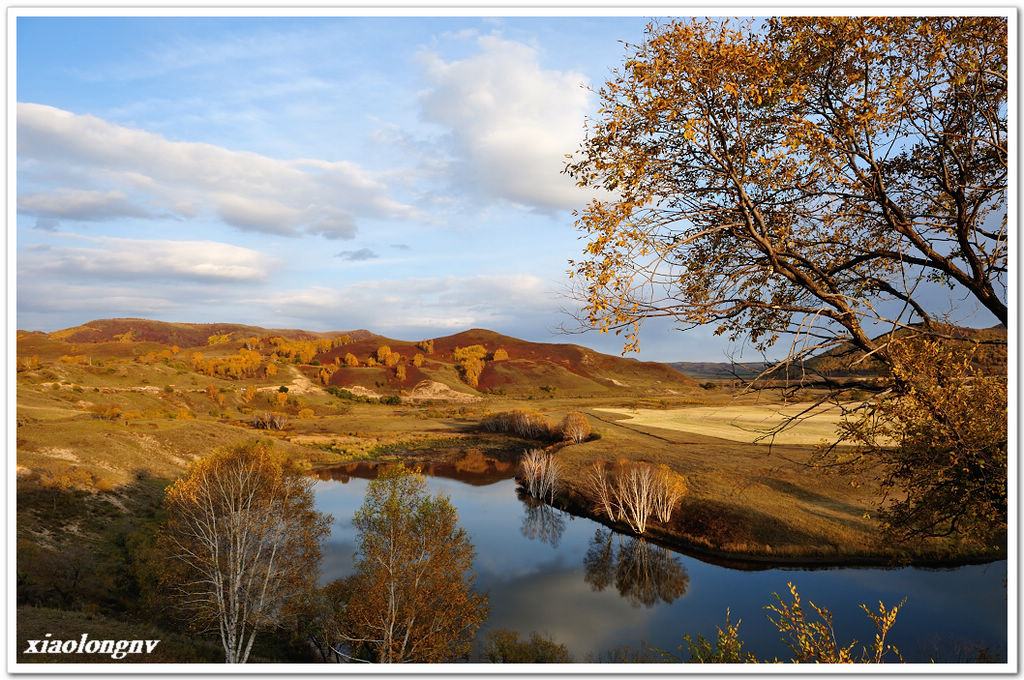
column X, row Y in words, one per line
column 499, row 355
column 520, row 422
column 105, row 411
column 504, row 646
column 575, row 427
column 269, row 421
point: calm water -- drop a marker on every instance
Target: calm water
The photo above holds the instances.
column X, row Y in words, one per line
column 575, row 581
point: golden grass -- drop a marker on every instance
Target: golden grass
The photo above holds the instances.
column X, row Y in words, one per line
column 750, row 424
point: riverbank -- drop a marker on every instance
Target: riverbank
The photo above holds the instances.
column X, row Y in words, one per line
column 747, row 505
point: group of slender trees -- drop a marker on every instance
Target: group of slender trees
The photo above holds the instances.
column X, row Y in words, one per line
column 241, row 551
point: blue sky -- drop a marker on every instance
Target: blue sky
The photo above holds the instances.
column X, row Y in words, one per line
column 400, row 174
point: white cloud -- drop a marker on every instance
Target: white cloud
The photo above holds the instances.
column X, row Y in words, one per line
column 130, row 172
column 146, row 260
column 511, row 122
column 404, row 306
column 80, row 205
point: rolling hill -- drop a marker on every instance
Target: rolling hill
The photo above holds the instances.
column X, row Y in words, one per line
column 531, row 368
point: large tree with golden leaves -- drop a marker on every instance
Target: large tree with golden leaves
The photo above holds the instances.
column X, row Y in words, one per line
column 242, row 538
column 798, row 176
column 813, row 179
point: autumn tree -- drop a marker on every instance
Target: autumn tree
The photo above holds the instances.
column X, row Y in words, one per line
column 412, row 593
column 500, row 354
column 818, row 179
column 952, row 412
column 242, row 537
column 426, row 346
column 351, row 359
column 417, row 360
column 383, row 352
column 471, row 369
column 400, row 373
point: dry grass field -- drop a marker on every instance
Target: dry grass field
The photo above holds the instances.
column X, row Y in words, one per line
column 747, row 423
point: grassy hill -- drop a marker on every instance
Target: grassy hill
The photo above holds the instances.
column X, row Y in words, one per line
column 990, row 354
column 531, row 369
column 846, row 361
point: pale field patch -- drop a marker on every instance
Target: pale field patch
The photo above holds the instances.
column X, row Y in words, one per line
column 743, row 423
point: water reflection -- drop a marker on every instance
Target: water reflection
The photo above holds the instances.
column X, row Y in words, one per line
column 642, row 572
column 541, row 521
column 469, row 467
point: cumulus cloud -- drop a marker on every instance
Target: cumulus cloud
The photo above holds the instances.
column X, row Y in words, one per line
column 146, row 260
column 114, row 171
column 358, row 255
column 511, row 122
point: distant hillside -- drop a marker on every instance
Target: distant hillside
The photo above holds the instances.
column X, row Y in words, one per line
column 525, row 368
column 532, row 368
column 720, row 370
column 181, row 334
column 846, row 360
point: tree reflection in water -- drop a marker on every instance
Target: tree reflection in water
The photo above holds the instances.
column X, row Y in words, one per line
column 542, row 521
column 642, row 572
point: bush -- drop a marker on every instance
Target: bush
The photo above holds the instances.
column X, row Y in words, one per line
column 503, row 646
column 269, row 421
column 575, row 427
column 520, row 422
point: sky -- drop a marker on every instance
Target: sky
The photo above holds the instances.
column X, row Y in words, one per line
column 399, row 174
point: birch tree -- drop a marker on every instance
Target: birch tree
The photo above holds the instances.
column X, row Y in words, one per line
column 412, row 593
column 241, row 539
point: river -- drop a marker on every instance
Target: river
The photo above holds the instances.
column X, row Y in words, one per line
column 593, row 590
